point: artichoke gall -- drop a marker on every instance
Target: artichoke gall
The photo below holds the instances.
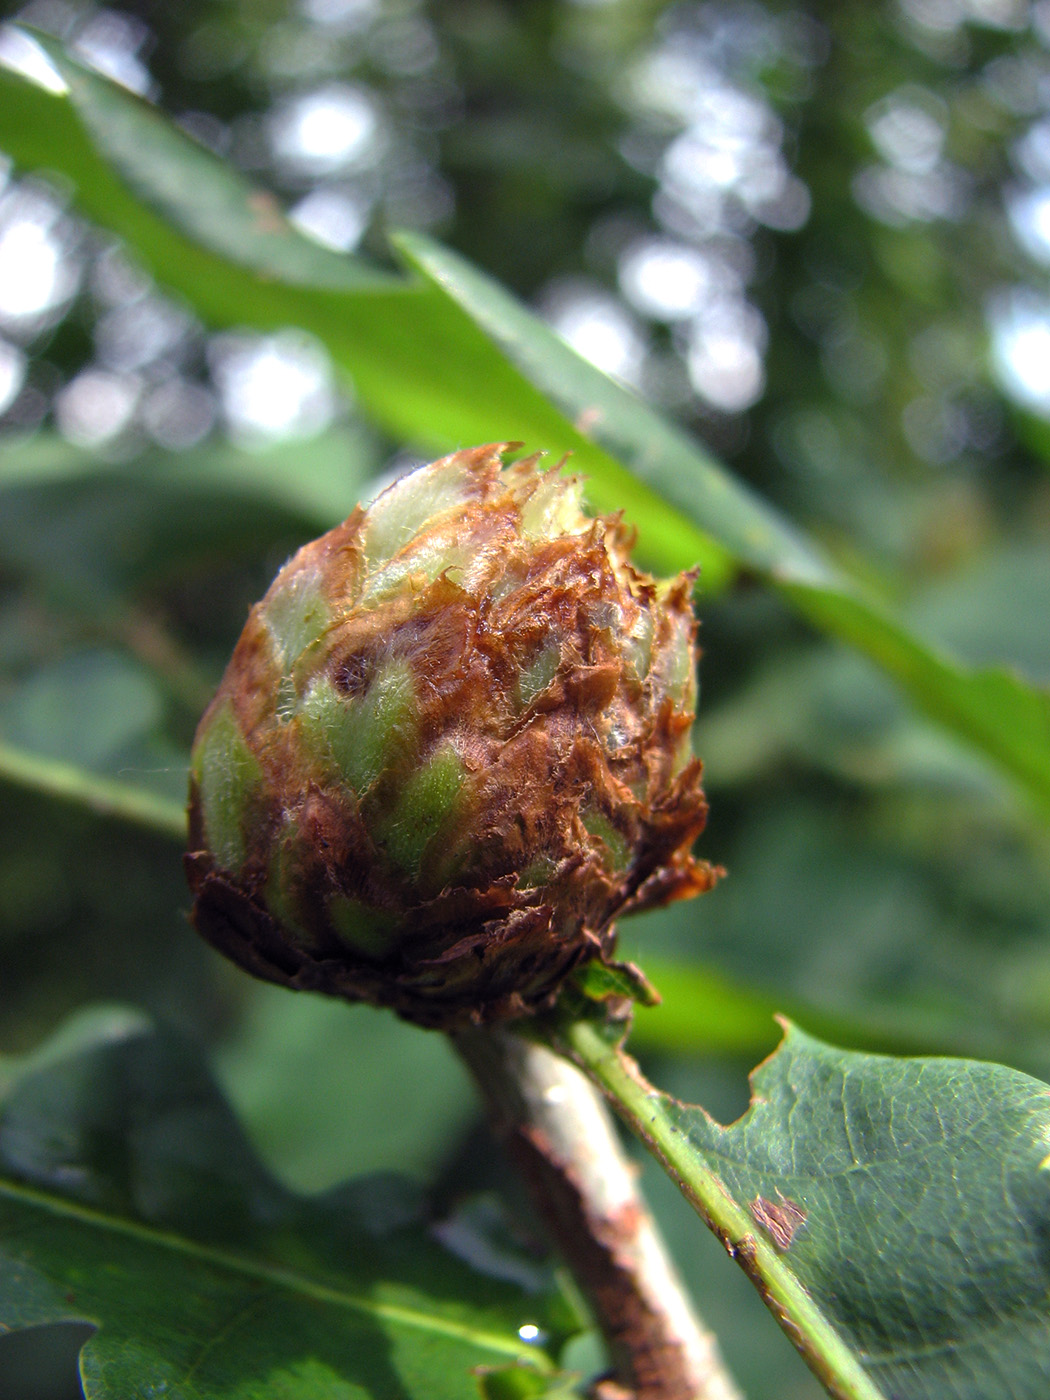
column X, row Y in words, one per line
column 451, row 747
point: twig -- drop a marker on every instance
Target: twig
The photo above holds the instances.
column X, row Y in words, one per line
column 563, row 1139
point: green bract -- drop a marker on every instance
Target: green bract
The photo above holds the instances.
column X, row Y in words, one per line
column 452, row 745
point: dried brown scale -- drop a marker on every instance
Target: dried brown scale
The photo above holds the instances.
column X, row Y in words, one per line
column 450, row 748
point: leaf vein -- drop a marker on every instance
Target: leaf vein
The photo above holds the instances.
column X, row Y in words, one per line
column 274, row 1275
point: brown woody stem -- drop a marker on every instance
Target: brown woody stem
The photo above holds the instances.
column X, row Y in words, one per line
column 563, row 1140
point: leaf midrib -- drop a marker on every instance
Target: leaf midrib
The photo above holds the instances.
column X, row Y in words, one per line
column 273, row 1275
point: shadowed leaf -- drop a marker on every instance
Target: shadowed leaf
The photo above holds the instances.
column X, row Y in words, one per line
column 130, row 1200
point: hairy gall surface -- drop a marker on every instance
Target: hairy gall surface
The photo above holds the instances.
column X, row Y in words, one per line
column 451, row 747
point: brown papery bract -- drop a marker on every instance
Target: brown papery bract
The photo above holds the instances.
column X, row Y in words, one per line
column 451, row 747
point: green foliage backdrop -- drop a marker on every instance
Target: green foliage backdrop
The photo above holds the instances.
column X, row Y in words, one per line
column 842, row 428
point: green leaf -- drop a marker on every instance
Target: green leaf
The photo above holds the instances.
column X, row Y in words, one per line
column 209, row 201
column 117, row 704
column 894, row 1213
column 130, row 1200
column 417, row 361
column 621, row 426
column 422, row 359
column 285, row 1073
column 518, row 1382
column 616, row 982
column 320, row 480
column 705, row 1011
column 994, row 709
column 107, row 750
column 41, row 130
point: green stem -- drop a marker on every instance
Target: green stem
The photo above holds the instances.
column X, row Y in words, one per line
column 104, row 796
column 643, row 1109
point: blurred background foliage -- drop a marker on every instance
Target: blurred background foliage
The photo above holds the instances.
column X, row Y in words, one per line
column 818, row 235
